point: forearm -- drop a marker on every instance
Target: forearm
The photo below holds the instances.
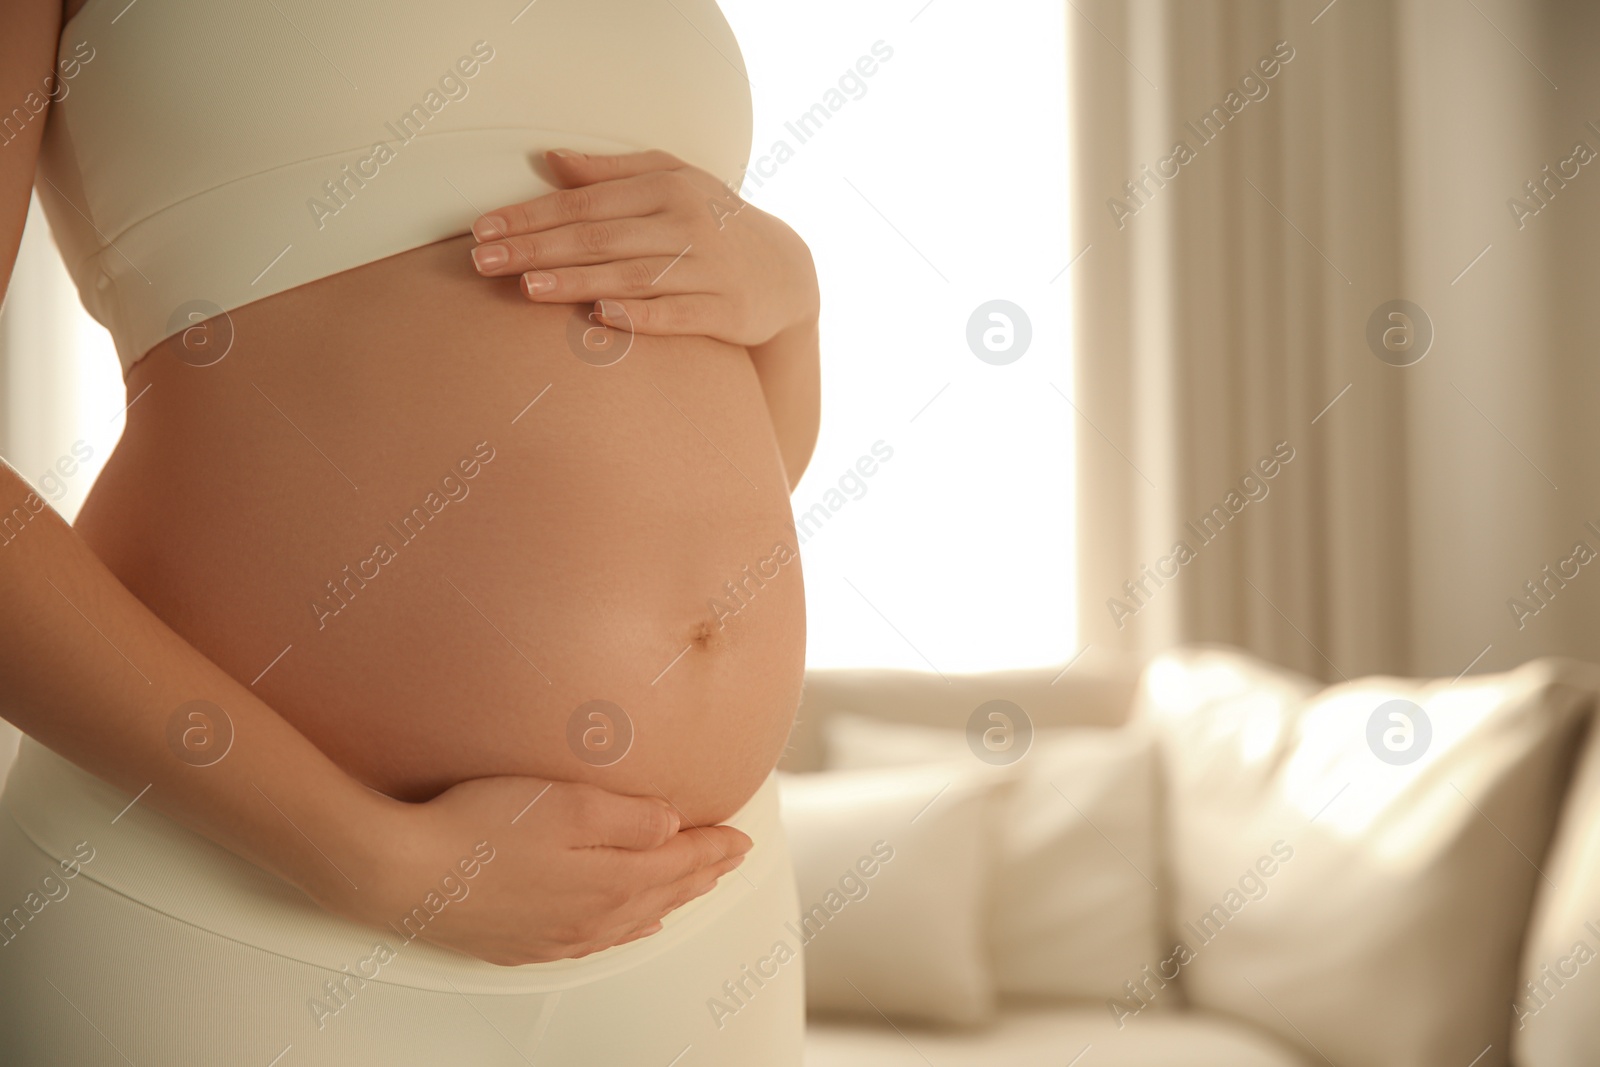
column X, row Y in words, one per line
column 789, row 367
column 87, row 670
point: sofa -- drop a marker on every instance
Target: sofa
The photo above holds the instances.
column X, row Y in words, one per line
column 1201, row 860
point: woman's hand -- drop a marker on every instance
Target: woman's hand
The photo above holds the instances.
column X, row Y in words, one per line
column 518, row 870
column 661, row 247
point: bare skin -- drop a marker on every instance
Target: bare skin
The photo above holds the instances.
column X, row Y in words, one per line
column 427, row 702
column 577, row 566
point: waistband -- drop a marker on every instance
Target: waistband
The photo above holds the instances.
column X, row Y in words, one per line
column 147, row 857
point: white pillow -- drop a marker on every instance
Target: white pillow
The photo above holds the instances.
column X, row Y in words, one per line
column 892, row 870
column 1354, row 882
column 1074, row 911
column 1557, row 1000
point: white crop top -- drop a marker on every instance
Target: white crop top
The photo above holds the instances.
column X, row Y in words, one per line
column 213, row 152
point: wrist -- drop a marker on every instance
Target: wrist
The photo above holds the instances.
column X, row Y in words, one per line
column 370, row 837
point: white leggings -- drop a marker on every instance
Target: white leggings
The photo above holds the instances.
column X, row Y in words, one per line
column 125, row 938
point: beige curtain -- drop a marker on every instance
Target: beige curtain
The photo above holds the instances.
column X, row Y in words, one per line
column 1337, row 158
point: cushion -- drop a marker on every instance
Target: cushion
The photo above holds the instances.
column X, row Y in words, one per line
column 1557, row 1000
column 892, row 868
column 1055, row 1037
column 1074, row 911
column 1353, row 868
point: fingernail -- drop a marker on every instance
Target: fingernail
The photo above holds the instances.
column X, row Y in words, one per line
column 535, row 282
column 567, row 153
column 489, row 227
column 739, row 859
column 609, row 309
column 488, row 257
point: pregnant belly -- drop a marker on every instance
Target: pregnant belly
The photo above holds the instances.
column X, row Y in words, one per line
column 415, row 514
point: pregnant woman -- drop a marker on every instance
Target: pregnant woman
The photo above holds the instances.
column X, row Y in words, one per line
column 410, row 686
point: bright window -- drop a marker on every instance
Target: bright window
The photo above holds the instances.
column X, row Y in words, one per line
column 64, row 402
column 932, row 185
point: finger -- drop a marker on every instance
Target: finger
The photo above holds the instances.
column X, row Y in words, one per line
column 642, row 277
column 637, row 932
column 643, row 924
column 600, row 818
column 640, row 912
column 580, row 244
column 662, row 902
column 646, row 910
column 728, row 842
column 621, row 937
column 604, row 200
column 579, row 168
column 574, row 169
column 687, row 854
column 673, row 315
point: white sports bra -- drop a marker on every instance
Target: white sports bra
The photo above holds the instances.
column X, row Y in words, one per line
column 213, row 152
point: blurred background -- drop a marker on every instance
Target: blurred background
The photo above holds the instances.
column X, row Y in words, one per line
column 1421, row 151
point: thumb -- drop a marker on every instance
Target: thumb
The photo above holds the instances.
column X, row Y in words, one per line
column 617, row 821
column 576, row 168
column 571, row 167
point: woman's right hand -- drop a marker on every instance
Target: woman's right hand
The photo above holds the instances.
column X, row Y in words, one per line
column 557, row 869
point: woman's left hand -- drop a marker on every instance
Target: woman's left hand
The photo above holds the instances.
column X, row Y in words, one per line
column 659, row 246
